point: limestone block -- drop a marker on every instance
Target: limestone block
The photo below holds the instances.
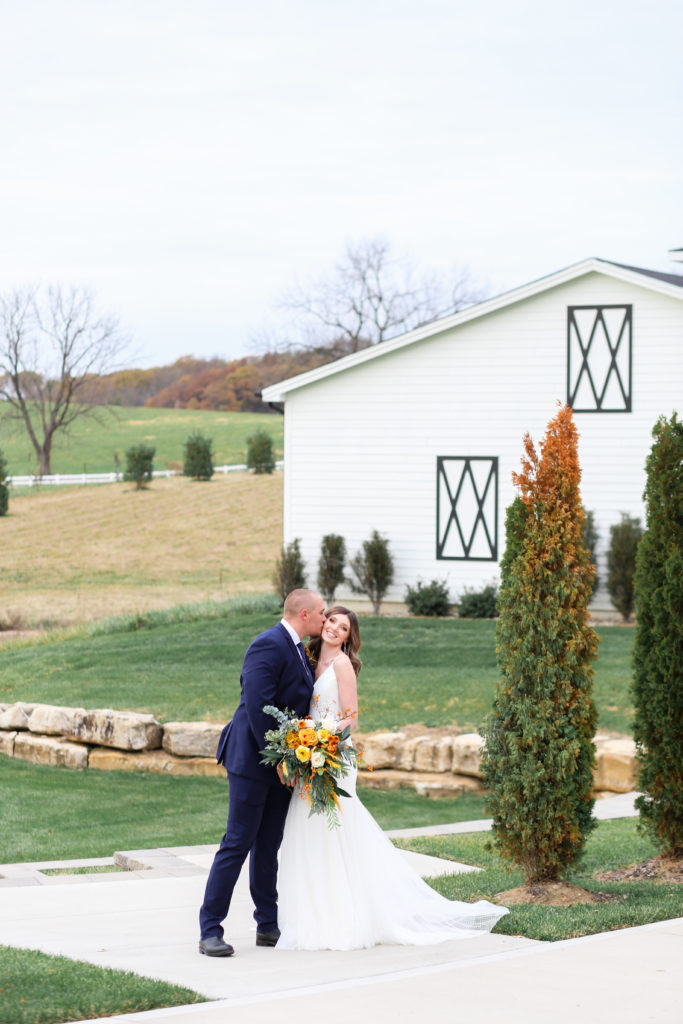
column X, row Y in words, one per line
column 7, row 739
column 51, row 720
column 616, row 764
column 191, row 739
column 124, row 730
column 406, row 755
column 425, row 783
column 50, row 750
column 16, row 716
column 383, row 749
column 157, row 762
column 467, row 754
column 434, row 754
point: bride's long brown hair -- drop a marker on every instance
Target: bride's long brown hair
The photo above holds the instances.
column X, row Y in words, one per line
column 351, row 645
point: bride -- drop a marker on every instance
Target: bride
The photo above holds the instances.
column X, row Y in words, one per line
column 349, row 887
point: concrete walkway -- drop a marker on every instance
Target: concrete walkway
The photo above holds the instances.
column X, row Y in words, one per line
column 145, row 920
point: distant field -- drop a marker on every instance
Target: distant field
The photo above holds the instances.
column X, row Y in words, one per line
column 91, row 445
column 75, row 554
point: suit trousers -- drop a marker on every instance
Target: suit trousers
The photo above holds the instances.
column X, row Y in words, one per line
column 256, row 823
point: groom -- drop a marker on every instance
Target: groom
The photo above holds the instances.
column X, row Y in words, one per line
column 275, row 671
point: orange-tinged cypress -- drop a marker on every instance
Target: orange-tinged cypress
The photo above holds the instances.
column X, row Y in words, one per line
column 539, row 754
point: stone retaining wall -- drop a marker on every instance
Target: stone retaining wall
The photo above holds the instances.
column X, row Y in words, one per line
column 435, row 761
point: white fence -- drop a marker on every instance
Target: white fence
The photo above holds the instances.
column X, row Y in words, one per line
column 63, row 479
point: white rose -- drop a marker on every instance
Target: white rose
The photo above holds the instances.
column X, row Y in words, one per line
column 317, row 759
column 329, row 724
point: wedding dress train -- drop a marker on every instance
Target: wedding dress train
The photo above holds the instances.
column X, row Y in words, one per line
column 349, row 887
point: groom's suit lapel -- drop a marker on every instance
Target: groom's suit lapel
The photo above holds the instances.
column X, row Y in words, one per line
column 305, row 668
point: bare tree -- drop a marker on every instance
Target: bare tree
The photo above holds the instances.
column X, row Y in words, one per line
column 372, row 296
column 51, row 343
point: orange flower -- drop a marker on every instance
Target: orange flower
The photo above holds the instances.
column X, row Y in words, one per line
column 302, row 723
column 292, row 740
column 303, row 754
column 308, row 737
column 332, row 744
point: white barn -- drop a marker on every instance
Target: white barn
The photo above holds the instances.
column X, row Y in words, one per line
column 418, row 437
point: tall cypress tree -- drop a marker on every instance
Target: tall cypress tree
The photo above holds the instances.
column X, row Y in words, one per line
column 658, row 649
column 539, row 754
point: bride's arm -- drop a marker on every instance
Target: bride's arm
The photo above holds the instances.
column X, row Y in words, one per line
column 348, row 691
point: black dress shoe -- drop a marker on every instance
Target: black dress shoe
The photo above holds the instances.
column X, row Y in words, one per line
column 267, row 938
column 215, row 946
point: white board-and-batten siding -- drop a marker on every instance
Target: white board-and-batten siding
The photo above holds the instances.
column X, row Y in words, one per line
column 361, row 445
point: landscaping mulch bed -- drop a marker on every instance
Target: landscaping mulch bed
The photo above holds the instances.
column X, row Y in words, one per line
column 551, row 894
column 656, row 869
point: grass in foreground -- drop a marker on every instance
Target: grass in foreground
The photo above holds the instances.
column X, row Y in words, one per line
column 613, row 844
column 438, row 672
column 58, row 813
column 41, row 989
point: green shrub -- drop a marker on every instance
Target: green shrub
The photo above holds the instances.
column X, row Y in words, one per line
column 331, row 565
column 139, row 465
column 658, row 648
column 590, row 540
column 260, row 455
column 538, row 755
column 478, row 604
column 198, row 460
column 428, row 598
column 373, row 567
column 4, row 489
column 290, row 572
column 621, row 563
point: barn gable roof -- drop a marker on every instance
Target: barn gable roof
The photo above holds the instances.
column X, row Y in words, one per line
column 666, row 284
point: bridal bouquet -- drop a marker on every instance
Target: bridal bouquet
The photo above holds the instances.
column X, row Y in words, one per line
column 315, row 755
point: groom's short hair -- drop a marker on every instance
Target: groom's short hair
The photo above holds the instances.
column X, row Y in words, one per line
column 297, row 600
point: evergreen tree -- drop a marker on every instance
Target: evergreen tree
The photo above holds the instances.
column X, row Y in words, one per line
column 590, row 539
column 658, row 651
column 290, row 571
column 515, row 527
column 539, row 754
column 139, row 465
column 621, row 563
column 4, row 489
column 260, row 455
column 331, row 565
column 198, row 459
column 373, row 567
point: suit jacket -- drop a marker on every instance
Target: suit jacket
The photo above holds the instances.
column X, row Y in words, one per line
column 273, row 673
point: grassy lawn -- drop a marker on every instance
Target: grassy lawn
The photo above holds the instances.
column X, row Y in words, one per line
column 415, row 670
column 90, row 445
column 78, row 554
column 613, row 845
column 60, row 814
column 40, row 989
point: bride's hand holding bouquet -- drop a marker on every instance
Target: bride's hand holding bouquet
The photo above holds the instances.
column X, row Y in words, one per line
column 311, row 755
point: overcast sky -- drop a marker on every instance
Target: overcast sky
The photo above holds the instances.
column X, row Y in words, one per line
column 190, row 161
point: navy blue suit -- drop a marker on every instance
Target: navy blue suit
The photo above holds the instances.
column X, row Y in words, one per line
column 273, row 673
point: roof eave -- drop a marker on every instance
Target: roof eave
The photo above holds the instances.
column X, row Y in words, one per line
column 277, row 392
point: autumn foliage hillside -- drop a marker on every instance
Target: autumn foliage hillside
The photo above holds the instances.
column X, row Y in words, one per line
column 191, row 383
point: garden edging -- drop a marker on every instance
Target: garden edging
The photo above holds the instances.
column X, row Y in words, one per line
column 432, row 761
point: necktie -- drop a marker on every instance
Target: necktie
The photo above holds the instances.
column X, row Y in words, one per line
column 302, row 654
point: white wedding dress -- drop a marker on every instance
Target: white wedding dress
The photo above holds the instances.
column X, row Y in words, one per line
column 349, row 887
